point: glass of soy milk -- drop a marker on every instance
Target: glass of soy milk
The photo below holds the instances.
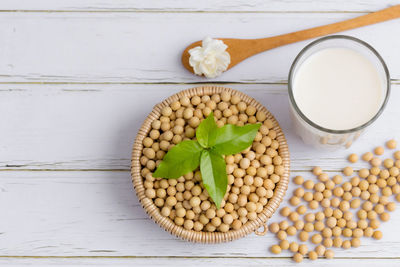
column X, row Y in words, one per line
column 338, row 86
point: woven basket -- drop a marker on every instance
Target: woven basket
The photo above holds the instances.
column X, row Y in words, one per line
column 208, row 237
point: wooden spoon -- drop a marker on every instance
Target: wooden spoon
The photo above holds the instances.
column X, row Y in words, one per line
column 240, row 49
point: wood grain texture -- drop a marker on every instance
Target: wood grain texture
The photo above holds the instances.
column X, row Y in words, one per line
column 98, row 214
column 197, row 6
column 92, row 127
column 146, row 47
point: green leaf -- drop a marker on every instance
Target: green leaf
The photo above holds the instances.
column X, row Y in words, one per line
column 213, row 172
column 181, row 159
column 232, row 139
column 205, row 133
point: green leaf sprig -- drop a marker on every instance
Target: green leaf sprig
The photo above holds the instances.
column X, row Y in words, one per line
column 207, row 152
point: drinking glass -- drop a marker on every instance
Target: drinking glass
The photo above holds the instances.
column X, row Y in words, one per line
column 314, row 134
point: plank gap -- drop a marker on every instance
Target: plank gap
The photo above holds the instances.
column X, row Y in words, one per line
column 392, row 81
column 132, row 10
column 127, row 170
column 175, row 257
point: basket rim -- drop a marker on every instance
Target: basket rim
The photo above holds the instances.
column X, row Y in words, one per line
column 208, row 237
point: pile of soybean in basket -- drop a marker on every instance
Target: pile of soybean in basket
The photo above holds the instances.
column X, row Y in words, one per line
column 252, row 174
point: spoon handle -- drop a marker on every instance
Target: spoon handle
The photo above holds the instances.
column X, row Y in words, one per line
column 255, row 46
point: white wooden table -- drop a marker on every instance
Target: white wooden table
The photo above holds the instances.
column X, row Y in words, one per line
column 76, row 80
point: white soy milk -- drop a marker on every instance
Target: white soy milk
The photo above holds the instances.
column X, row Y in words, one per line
column 338, row 88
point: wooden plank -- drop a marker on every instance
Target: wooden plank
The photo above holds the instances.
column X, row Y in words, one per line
column 97, row 214
column 173, row 261
column 196, row 6
column 92, row 127
column 117, row 47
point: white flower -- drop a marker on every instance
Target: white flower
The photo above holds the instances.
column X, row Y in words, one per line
column 210, row 59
